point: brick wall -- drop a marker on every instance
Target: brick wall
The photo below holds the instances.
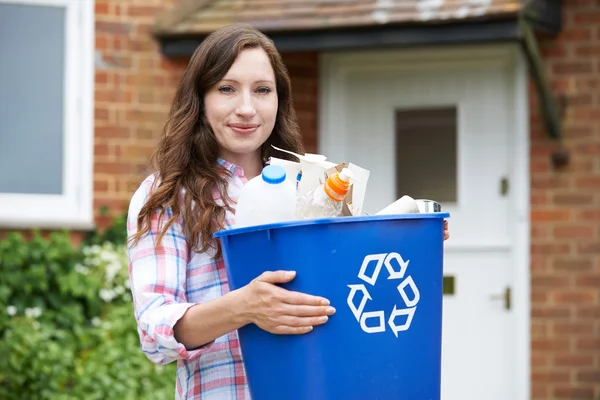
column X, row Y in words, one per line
column 304, row 72
column 565, row 249
column 134, row 88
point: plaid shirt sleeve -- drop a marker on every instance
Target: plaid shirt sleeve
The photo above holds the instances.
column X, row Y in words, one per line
column 158, row 283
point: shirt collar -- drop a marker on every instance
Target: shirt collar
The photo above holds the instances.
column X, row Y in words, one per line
column 234, row 170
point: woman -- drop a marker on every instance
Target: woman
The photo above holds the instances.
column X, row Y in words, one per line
column 233, row 102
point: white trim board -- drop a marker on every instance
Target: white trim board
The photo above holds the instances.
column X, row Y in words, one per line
column 74, row 207
column 333, row 67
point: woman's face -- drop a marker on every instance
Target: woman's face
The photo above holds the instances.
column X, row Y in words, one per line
column 242, row 107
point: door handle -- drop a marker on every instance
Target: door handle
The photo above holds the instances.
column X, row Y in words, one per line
column 506, row 297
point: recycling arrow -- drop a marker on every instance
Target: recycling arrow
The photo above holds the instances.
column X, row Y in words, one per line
column 409, row 282
column 409, row 312
column 373, row 329
column 366, row 296
column 363, row 268
column 383, row 259
column 403, row 265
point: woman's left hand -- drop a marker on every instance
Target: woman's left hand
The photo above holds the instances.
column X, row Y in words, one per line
column 446, row 230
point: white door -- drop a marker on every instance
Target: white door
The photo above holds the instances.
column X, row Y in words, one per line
column 442, row 124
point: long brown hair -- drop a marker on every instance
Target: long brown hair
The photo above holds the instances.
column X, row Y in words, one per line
column 186, row 156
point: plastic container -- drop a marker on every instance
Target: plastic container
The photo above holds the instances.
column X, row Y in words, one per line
column 371, row 268
column 298, row 179
column 266, row 198
column 325, row 201
column 403, row 205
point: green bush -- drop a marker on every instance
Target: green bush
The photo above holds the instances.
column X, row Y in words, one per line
column 67, row 329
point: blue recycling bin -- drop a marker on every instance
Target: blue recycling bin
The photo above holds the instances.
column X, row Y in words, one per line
column 383, row 274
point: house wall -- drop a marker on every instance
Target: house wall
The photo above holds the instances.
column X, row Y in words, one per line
column 565, row 214
column 134, row 89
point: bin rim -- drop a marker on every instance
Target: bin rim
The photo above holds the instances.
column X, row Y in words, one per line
column 333, row 220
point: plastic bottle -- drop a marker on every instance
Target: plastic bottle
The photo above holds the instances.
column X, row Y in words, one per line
column 325, row 200
column 265, row 199
column 298, row 178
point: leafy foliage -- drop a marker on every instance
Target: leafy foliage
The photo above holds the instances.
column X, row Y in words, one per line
column 67, row 329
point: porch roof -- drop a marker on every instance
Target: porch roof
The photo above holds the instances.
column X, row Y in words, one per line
column 330, row 25
column 200, row 17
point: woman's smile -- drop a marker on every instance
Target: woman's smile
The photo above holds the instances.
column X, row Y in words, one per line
column 244, row 129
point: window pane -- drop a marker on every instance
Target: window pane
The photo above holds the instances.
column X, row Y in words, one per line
column 426, row 158
column 31, row 99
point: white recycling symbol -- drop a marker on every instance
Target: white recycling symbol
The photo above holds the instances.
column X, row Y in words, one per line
column 411, row 303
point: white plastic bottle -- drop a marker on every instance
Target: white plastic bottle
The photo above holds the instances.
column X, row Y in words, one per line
column 326, row 200
column 267, row 198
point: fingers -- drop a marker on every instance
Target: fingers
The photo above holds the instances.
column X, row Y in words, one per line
column 309, row 311
column 287, row 296
column 303, row 321
column 297, row 298
column 292, row 330
column 298, row 325
column 277, row 276
column 282, row 311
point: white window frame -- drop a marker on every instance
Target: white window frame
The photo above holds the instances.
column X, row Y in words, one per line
column 73, row 209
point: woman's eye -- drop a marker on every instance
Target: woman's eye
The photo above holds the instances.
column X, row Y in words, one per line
column 264, row 90
column 226, row 89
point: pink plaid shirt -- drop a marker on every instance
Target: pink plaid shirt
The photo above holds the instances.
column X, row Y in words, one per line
column 165, row 282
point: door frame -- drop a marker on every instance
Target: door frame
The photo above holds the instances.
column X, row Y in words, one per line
column 333, row 66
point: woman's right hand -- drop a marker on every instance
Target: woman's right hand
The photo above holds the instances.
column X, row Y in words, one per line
column 281, row 311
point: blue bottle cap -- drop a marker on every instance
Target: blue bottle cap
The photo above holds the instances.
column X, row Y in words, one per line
column 273, row 174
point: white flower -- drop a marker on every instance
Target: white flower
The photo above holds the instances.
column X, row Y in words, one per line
column 91, row 250
column 119, row 290
column 11, row 310
column 81, row 269
column 112, row 270
column 34, row 312
column 107, row 294
column 95, row 321
column 107, row 256
column 128, row 284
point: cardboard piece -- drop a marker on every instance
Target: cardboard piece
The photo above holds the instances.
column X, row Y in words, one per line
column 315, row 170
column 312, row 167
column 359, row 187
